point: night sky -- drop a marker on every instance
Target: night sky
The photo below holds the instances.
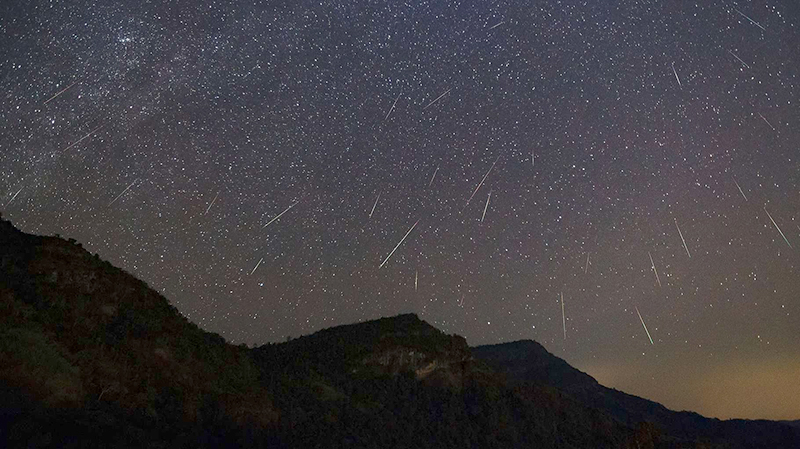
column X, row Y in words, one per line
column 258, row 163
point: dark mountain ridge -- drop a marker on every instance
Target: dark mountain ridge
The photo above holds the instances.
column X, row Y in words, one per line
column 92, row 357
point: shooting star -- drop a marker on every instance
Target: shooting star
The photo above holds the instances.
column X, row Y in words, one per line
column 533, row 159
column 751, row 20
column 83, row 138
column 433, row 177
column 12, row 198
column 60, row 92
column 682, row 240
column 398, row 244
column 563, row 316
column 416, row 279
column 644, row 326
column 123, row 192
column 740, row 189
column 212, row 203
column 376, row 203
column 392, row 108
column 768, row 123
column 586, row 270
column 739, row 59
column 676, row 75
column 653, row 264
column 482, row 180
column 497, row 25
column 776, row 227
column 256, row 267
column 437, row 99
column 279, row 215
column 486, row 206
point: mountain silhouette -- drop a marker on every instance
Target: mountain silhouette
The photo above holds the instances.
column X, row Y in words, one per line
column 92, row 357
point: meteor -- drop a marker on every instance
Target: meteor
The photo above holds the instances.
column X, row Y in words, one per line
column 256, row 267
column 653, row 264
column 486, row 206
column 740, row 189
column 376, row 203
column 433, row 177
column 482, row 180
column 684, row 241
column 398, row 244
column 563, row 317
column 392, row 108
column 60, row 92
column 776, row 227
column 123, row 192
column 83, row 138
column 644, row 325
column 676, row 75
column 212, row 203
column 279, row 215
column 15, row 195
column 437, row 99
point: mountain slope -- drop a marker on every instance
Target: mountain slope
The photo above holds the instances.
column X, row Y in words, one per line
column 528, row 362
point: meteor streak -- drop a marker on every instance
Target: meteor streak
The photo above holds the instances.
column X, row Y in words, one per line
column 376, row 203
column 83, row 138
column 392, row 108
column 482, row 180
column 740, row 189
column 738, row 59
column 437, row 99
column 563, row 317
column 279, row 215
column 751, row 20
column 586, row 270
column 644, row 325
column 398, row 244
column 434, row 176
column 212, row 203
column 768, row 123
column 486, row 206
column 676, row 75
column 776, row 227
column 60, row 92
column 653, row 264
column 123, row 192
column 12, row 198
column 256, row 267
column 497, row 25
column 682, row 240
column 416, row 279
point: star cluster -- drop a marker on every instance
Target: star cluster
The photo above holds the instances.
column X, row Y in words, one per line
column 570, row 172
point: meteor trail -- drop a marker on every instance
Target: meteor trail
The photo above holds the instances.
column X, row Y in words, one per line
column 437, row 99
column 482, row 180
column 398, row 244
column 740, row 189
column 433, row 177
column 212, row 203
column 82, row 138
column 644, row 325
column 563, row 317
column 495, row 26
column 60, row 92
column 416, row 279
column 123, row 192
column 392, row 108
column 682, row 240
column 751, row 20
column 486, row 206
column 256, row 267
column 739, row 59
column 376, row 203
column 653, row 264
column 676, row 75
column 12, row 198
column 279, row 215
column 776, row 227
column 768, row 123
column 586, row 270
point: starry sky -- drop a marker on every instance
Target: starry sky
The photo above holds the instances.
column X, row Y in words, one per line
column 563, row 171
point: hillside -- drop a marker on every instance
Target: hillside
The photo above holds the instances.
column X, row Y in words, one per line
column 528, row 362
column 92, row 357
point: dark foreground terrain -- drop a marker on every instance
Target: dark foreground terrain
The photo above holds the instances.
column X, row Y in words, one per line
column 92, row 357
